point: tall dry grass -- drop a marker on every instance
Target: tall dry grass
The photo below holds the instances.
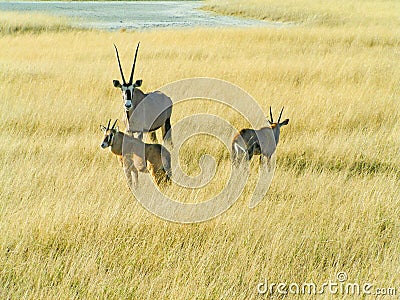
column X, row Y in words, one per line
column 70, row 228
column 328, row 13
column 33, row 23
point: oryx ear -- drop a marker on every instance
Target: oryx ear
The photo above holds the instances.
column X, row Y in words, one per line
column 102, row 128
column 138, row 83
column 117, row 129
column 117, row 84
column 284, row 122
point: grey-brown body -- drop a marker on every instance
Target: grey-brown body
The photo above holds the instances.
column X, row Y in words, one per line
column 149, row 112
column 249, row 142
column 136, row 156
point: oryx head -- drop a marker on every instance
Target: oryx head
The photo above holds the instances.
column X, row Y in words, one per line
column 108, row 134
column 127, row 88
column 276, row 126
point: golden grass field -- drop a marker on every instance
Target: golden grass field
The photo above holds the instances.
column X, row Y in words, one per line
column 71, row 229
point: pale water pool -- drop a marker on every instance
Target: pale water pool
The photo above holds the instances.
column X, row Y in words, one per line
column 135, row 15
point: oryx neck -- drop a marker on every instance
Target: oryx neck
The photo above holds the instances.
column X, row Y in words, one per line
column 116, row 146
column 137, row 97
column 275, row 131
column 138, row 94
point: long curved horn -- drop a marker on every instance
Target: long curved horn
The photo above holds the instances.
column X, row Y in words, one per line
column 270, row 114
column 133, row 66
column 108, row 125
column 280, row 115
column 119, row 64
column 114, row 124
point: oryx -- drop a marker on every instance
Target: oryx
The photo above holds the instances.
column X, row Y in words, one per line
column 154, row 111
column 137, row 155
column 249, row 142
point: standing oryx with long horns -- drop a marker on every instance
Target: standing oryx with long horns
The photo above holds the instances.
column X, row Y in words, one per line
column 144, row 112
column 263, row 142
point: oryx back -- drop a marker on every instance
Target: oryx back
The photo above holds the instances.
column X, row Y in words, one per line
column 151, row 113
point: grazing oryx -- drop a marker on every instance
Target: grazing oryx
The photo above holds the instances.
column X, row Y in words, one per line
column 138, row 156
column 155, row 111
column 249, row 142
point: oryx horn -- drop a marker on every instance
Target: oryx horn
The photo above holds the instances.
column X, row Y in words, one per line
column 133, row 66
column 114, row 124
column 119, row 64
column 280, row 115
column 270, row 114
column 108, row 125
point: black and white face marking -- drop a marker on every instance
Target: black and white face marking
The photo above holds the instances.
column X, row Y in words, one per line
column 127, row 92
column 108, row 139
column 127, row 97
column 108, row 134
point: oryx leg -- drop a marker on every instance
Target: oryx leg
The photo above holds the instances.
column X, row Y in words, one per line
column 249, row 154
column 161, row 176
column 268, row 160
column 239, row 154
column 152, row 171
column 166, row 132
column 120, row 160
column 140, row 136
column 134, row 178
column 234, row 156
column 128, row 174
column 156, row 172
column 269, row 163
column 130, row 169
column 166, row 161
column 153, row 136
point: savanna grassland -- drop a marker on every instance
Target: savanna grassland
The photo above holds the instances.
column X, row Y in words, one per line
column 71, row 229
